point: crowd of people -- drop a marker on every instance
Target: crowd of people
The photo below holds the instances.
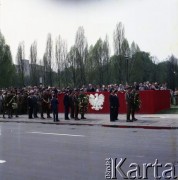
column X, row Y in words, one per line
column 37, row 101
column 40, row 100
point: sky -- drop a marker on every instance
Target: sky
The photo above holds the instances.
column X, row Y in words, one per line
column 152, row 24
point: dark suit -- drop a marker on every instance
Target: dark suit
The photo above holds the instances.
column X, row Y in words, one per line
column 116, row 106
column 71, row 99
column 54, row 107
column 30, row 106
column 112, row 107
column 66, row 102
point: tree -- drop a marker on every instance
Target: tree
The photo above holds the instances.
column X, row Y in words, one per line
column 106, row 60
column 81, row 54
column 20, row 62
column 172, row 66
column 61, row 56
column 90, row 66
column 72, row 58
column 134, row 48
column 47, row 60
column 119, row 36
column 33, row 61
column 125, row 52
column 98, row 61
column 7, row 69
column 142, row 68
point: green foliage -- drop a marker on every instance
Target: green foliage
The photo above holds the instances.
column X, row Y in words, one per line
column 84, row 65
column 142, row 66
column 7, row 69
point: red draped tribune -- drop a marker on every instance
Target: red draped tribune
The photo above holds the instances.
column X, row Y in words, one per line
column 152, row 101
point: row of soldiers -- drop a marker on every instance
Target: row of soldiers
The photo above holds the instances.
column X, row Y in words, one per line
column 75, row 101
column 16, row 102
column 133, row 103
column 39, row 101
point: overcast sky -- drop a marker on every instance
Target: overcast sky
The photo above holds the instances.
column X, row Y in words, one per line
column 152, row 24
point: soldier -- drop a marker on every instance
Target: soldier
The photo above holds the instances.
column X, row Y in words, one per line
column 76, row 104
column 47, row 101
column 3, row 107
column 83, row 103
column 137, row 102
column 15, row 104
column 129, row 97
column 66, row 102
column 23, row 102
column 1, row 102
column 54, row 107
column 8, row 103
column 35, row 104
column 42, row 104
column 30, row 105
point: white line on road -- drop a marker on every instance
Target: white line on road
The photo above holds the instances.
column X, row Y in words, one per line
column 56, row 134
column 2, row 161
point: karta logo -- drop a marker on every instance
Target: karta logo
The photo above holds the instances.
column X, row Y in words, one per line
column 115, row 170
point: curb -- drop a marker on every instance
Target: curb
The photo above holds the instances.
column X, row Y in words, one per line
column 102, row 125
column 141, row 127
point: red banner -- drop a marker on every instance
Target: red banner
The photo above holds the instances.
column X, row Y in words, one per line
column 153, row 101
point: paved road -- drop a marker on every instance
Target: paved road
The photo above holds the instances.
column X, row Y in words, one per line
column 54, row 152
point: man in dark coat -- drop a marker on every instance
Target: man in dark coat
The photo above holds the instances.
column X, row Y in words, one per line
column 35, row 101
column 112, row 105
column 116, row 105
column 30, row 103
column 71, row 99
column 66, row 102
column 54, row 108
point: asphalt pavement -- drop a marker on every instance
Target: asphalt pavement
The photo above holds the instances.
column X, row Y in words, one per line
column 53, row 152
column 146, row 121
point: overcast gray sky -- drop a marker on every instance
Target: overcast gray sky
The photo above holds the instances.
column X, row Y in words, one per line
column 152, row 24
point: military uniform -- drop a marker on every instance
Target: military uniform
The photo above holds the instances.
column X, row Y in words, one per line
column 47, row 103
column 129, row 96
column 42, row 105
column 76, row 105
column 3, row 106
column 8, row 103
column 1, row 103
column 83, row 104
